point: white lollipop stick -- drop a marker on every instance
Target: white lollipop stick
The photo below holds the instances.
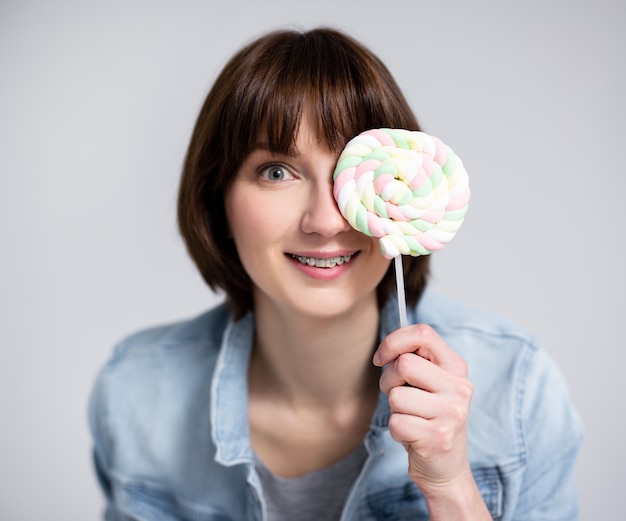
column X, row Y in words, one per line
column 400, row 289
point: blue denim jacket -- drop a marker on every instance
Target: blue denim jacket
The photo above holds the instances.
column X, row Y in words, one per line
column 168, row 415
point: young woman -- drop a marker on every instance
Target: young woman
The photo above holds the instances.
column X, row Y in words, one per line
column 300, row 398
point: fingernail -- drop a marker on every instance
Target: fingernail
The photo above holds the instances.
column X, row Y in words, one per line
column 376, row 359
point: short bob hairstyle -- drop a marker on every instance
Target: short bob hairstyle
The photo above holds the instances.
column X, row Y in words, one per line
column 263, row 91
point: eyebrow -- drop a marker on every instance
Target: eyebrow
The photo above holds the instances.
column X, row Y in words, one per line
column 265, row 147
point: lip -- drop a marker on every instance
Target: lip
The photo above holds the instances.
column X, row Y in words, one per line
column 318, row 254
column 323, row 273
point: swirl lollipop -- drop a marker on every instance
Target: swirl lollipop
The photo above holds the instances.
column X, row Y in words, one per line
column 405, row 187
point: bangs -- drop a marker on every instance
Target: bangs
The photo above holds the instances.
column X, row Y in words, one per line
column 342, row 88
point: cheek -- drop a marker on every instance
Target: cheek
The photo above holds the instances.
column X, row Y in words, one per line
column 378, row 264
column 256, row 222
column 248, row 235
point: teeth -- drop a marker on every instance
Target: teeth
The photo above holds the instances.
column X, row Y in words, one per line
column 323, row 263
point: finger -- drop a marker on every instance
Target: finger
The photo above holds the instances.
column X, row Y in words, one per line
column 421, row 433
column 409, row 429
column 429, row 406
column 415, row 402
column 415, row 371
column 424, row 341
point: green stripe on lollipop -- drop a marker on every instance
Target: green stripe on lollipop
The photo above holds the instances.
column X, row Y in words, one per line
column 386, row 168
column 346, row 162
column 415, row 246
column 361, row 221
column 455, row 215
column 423, row 191
column 450, row 165
column 378, row 155
column 421, row 226
column 400, row 138
column 380, row 208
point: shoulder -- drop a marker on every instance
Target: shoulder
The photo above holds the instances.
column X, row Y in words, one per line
column 160, row 373
column 201, row 333
column 489, row 343
column 446, row 314
column 150, row 415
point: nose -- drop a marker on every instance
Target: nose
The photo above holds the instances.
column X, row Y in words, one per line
column 322, row 215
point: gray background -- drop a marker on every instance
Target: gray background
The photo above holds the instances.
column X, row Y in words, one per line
column 97, row 101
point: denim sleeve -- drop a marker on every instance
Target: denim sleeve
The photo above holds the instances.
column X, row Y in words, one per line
column 552, row 433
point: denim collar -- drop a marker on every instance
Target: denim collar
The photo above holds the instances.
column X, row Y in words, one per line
column 229, row 394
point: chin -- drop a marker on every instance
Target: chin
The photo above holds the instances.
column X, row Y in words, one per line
column 335, row 306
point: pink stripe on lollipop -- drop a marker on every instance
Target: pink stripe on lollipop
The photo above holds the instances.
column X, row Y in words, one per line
column 395, row 212
column 460, row 201
column 441, row 152
column 381, row 181
column 367, row 166
column 341, row 179
column 383, row 137
column 428, row 242
column 374, row 225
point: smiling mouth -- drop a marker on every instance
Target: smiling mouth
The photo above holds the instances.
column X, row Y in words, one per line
column 323, row 263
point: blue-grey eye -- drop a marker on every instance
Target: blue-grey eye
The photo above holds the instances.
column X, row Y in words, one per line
column 276, row 173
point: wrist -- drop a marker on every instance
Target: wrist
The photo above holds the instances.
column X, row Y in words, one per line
column 458, row 499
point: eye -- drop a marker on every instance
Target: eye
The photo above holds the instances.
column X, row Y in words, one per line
column 276, row 173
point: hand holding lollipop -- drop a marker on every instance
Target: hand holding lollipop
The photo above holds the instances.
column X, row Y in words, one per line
column 405, row 187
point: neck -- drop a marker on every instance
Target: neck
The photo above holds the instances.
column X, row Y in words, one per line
column 316, row 362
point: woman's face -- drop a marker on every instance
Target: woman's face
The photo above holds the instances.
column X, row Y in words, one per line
column 301, row 254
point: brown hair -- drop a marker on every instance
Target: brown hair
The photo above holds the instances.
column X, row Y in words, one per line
column 263, row 91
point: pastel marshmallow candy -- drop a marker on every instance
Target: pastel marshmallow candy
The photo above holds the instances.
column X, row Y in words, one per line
column 405, row 187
